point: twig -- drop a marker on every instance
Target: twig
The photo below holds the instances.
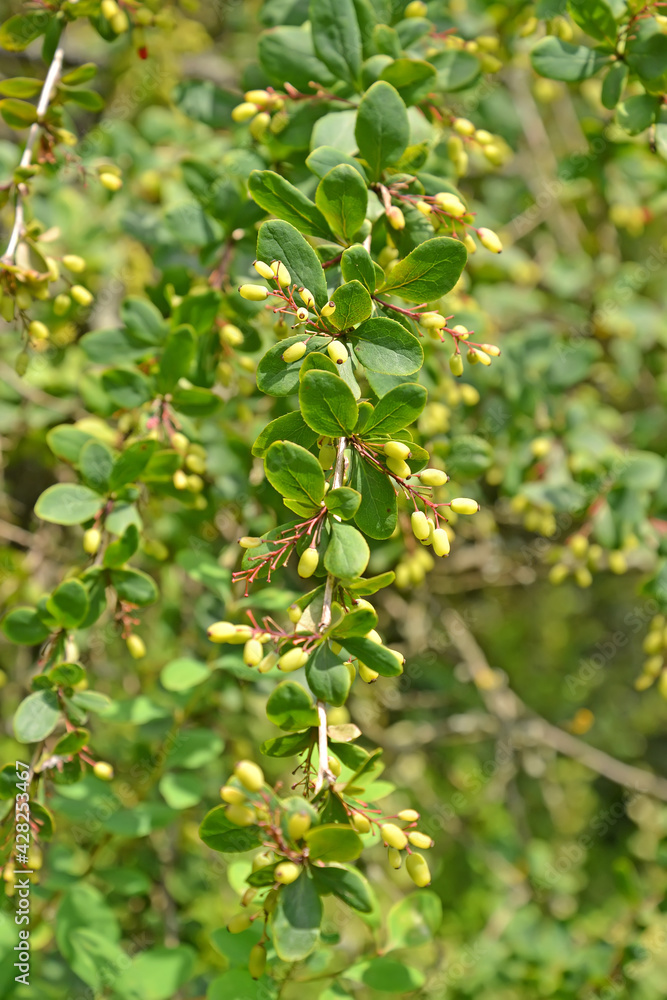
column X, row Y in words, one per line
column 26, row 158
column 502, row 702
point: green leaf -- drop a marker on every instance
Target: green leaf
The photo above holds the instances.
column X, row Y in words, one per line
column 342, row 198
column 336, row 37
column 18, row 114
column 328, row 677
column 294, row 472
column 388, row 975
column 181, row 791
column 382, row 130
column 195, row 402
column 353, row 305
column 66, row 442
column 118, row 553
column 36, row 717
column 614, row 84
column 456, row 70
column 19, row 31
column 412, row 78
column 560, row 60
column 469, row 457
column 156, row 974
column 81, row 74
column 20, row 86
column 595, row 17
column 194, row 748
column 325, row 158
column 414, row 920
column 383, row 345
column 358, row 621
column 67, row 503
column 333, row 842
column 131, row 463
column 295, row 922
column 25, row 627
column 287, row 55
column 327, row 405
column 88, row 99
column 72, row 742
column 378, row 512
column 178, row 355
column 646, row 53
column 95, row 463
column 429, row 272
column 220, row 834
column 286, row 746
column 347, row 553
column 183, row 673
column 343, row 501
column 290, row 707
column 276, row 195
column 68, row 603
column 374, row 656
column 127, row 388
column 356, row 264
column 280, row 241
column 289, row 427
column 134, row 586
column 371, row 585
column 637, row 113
column 278, row 378
column 398, row 408
column 205, row 102
column 346, row 883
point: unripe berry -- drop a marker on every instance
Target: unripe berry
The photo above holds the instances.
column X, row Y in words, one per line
column 264, row 270
column 653, row 643
column 618, row 563
column 38, row 331
column 308, row 563
column 294, row 352
column 558, row 573
column 92, row 539
column 423, row 207
column 463, row 126
column 329, row 309
column 232, row 795
column 244, row 112
column 52, row 268
column 583, row 576
column 249, row 774
column 81, row 295
column 74, row 263
column 374, row 637
column 337, row 351
column 421, row 840
column 112, row 182
column 418, row 870
column 195, row 483
column 420, row 525
column 103, row 771
column 195, row 464
column 393, row 836
column 399, row 468
column 135, row 646
column 408, row 815
column 334, row 766
column 281, row 273
column 456, row 364
column 240, row 815
column 221, row 632
column 469, row 243
column 432, row 321
column 440, row 542
column 287, row 872
column 490, row 240
column 262, row 860
column 253, row 293
column 61, row 304
column 252, row 653
column 179, row 443
column 361, row 823
column 109, row 9
column 240, row 922
column 294, row 613
column 293, row 659
column 451, row 204
column 302, row 314
column 395, row 217
column 257, row 961
column 475, row 355
column 259, row 125
column 367, row 675
column 394, row 857
column 259, row 97
column 397, row 449
column 433, row 477
column 230, row 334
column 653, row 666
column 298, row 825
column 416, row 8
column 120, row 23
column 327, row 456
column 307, row 297
column 268, row 663
column 464, row 505
column 491, row 349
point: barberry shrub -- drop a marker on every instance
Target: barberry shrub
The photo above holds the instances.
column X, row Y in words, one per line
column 304, row 317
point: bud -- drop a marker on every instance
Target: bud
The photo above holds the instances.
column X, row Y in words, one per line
column 433, row 477
column 254, row 293
column 420, row 526
column 112, row 182
column 230, row 334
column 294, row 352
column 103, row 771
column 74, row 264
column 287, row 872
column 135, row 646
column 399, row 468
column 490, row 240
column 397, row 449
column 421, row 840
column 394, row 858
column 440, row 542
column 361, row 823
column 81, row 295
column 293, row 659
column 329, row 309
column 450, row 204
column 464, row 505
column 92, row 539
column 240, row 922
column 418, row 870
column 232, row 796
column 456, row 364
column 393, row 836
column 281, row 273
column 463, row 126
column 298, row 825
column 337, row 351
column 252, row 652
column 395, row 217
column 408, row 815
column 308, row 563
column 244, row 112
column 367, row 675
column 294, row 613
column 257, row 961
column 250, row 775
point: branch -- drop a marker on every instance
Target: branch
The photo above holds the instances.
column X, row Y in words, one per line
column 502, row 702
column 26, row 158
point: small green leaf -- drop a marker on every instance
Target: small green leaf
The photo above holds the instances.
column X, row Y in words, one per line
column 346, row 883
column 382, row 129
column 183, row 673
column 72, row 742
column 66, row 442
column 181, row 791
column 19, row 31
column 356, row 264
column 134, row 586
column 18, row 114
column 287, row 55
column 353, row 305
column 374, row 656
column 377, row 515
column 179, row 352
column 276, row 195
column 118, row 552
column 220, row 834
column 68, row 603
column 560, row 60
column 614, row 84
column 286, row 746
column 336, row 37
column 20, row 86
column 295, row 922
column 289, row 427
column 333, row 842
column 430, row 271
column 414, row 920
column 343, row 501
column 327, row 405
column 637, row 113
column 595, row 17
column 67, row 503
column 325, row 158
column 646, row 51
column 388, row 975
column 88, row 99
column 127, row 388
column 294, row 472
column 95, row 463
column 412, row 78
column 280, row 241
column 66, row 674
column 278, row 378
column 383, row 345
column 342, row 198
column 36, row 717
column 328, row 677
column 290, row 707
column 456, row 70
column 398, row 408
column 25, row 627
column 131, row 463
column 347, row 554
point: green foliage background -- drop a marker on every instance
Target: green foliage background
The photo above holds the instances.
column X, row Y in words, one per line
column 549, row 864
